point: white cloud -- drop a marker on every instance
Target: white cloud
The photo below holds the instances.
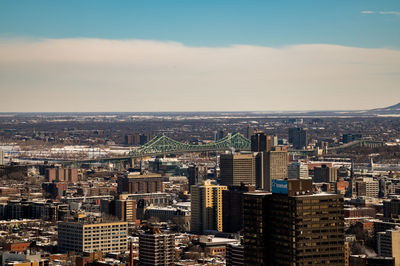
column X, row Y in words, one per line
column 396, row 13
column 139, row 75
column 368, row 12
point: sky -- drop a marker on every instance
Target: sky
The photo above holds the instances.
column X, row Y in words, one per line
column 226, row 55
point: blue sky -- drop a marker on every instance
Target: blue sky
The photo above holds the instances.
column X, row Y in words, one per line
column 191, row 55
column 208, row 23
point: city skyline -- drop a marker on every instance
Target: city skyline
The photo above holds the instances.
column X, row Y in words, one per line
column 156, row 56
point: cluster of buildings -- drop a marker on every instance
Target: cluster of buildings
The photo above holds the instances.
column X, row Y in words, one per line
column 272, row 205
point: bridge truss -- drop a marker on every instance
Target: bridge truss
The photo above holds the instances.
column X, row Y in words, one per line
column 163, row 145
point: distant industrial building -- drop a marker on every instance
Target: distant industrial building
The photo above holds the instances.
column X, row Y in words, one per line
column 346, row 138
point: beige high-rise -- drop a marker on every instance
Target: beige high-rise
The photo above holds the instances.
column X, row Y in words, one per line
column 90, row 237
column 237, row 169
column 271, row 165
column 206, row 207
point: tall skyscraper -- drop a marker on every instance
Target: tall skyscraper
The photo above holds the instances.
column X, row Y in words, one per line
column 269, row 166
column 298, row 137
column 261, row 142
column 206, row 207
column 193, row 175
column 156, row 248
column 291, row 226
column 249, row 132
column 232, row 207
column 237, row 168
column 255, row 208
column 218, row 135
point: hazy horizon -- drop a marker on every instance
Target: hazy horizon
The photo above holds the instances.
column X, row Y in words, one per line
column 176, row 56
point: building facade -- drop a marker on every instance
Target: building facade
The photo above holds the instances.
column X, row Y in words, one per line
column 90, row 237
column 232, row 207
column 140, row 183
column 156, row 248
column 206, row 207
column 269, row 166
column 293, row 227
column 237, row 168
column 389, row 244
column 261, row 142
column 325, row 174
column 297, row 170
column 298, row 137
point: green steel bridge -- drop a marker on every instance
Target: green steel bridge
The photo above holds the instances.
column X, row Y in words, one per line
column 163, row 145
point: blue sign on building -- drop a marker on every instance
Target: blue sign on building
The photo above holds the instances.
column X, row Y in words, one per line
column 279, row 186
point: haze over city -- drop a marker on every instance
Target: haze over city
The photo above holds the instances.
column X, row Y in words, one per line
column 198, row 55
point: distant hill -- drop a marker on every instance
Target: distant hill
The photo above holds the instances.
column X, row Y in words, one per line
column 393, row 110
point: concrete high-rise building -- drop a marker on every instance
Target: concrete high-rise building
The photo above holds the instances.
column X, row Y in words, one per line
column 325, row 174
column 206, row 207
column 275, row 141
column 237, row 168
column 1, row 157
column 90, row 237
column 367, row 187
column 192, row 175
column 132, row 139
column 232, row 207
column 125, row 210
column 249, row 132
column 298, row 137
column 389, row 244
column 144, row 138
column 255, row 208
column 140, row 183
column 234, row 255
column 261, row 142
column 69, row 175
column 219, row 135
column 271, row 165
column 297, row 170
column 391, row 208
column 156, row 248
column 290, row 226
